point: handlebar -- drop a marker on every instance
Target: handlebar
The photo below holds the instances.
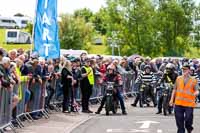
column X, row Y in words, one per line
column 111, row 83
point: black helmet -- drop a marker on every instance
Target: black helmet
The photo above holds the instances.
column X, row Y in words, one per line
column 147, row 66
column 186, row 65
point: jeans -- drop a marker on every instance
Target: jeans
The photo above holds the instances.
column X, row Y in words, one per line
column 121, row 100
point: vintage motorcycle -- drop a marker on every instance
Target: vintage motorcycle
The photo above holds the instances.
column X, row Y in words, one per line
column 146, row 94
column 166, row 95
column 112, row 102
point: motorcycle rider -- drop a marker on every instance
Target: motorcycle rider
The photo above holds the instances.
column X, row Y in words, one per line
column 169, row 76
column 113, row 76
column 145, row 77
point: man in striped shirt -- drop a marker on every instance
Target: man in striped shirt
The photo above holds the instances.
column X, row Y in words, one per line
column 145, row 78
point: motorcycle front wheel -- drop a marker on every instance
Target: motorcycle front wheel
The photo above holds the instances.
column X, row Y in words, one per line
column 108, row 104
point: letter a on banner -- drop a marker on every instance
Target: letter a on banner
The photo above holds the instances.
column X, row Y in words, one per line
column 46, row 39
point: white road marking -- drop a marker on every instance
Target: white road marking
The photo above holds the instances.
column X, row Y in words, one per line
column 146, row 124
column 159, row 131
column 126, row 131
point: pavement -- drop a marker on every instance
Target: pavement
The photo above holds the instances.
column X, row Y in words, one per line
column 138, row 120
column 57, row 123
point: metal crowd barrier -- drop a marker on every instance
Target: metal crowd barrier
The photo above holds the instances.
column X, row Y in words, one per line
column 34, row 105
column 56, row 100
column 21, row 107
column 128, row 83
column 97, row 92
column 126, row 90
column 36, row 102
column 5, row 109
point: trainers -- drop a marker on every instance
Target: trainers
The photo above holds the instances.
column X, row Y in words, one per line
column 134, row 105
column 66, row 111
column 87, row 111
column 124, row 112
column 97, row 112
column 84, row 111
column 159, row 112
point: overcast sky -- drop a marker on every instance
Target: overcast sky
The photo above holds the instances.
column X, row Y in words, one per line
column 27, row 7
column 11, row 7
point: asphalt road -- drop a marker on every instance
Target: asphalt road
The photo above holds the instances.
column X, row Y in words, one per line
column 138, row 120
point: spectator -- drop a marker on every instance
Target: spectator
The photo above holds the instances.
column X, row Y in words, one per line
column 86, row 85
column 12, row 55
column 1, row 55
column 67, row 82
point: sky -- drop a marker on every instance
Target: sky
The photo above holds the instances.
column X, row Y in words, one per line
column 27, row 7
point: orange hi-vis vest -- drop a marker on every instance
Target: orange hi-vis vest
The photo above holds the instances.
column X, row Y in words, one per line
column 185, row 93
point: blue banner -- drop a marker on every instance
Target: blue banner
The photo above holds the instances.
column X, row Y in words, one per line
column 46, row 39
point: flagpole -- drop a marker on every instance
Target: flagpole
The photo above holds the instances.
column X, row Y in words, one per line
column 33, row 29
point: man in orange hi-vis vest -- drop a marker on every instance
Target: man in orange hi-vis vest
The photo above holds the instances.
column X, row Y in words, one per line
column 183, row 97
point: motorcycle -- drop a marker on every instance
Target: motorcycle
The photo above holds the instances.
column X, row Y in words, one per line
column 145, row 94
column 166, row 95
column 112, row 103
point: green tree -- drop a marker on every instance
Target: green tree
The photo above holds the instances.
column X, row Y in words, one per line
column 196, row 28
column 132, row 20
column 174, row 24
column 84, row 13
column 29, row 28
column 99, row 21
column 75, row 33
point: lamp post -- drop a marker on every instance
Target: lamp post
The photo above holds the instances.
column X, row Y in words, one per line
column 113, row 42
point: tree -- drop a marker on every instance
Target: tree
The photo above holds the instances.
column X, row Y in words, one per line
column 99, row 21
column 29, row 28
column 196, row 28
column 75, row 33
column 175, row 26
column 132, row 20
column 84, row 13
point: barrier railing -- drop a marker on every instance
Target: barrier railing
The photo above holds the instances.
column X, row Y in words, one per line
column 5, row 109
column 29, row 106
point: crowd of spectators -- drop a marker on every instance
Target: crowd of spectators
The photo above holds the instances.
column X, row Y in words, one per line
column 43, row 78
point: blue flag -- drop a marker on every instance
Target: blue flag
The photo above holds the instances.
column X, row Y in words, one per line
column 46, row 40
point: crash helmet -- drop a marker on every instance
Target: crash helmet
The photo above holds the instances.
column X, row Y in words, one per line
column 147, row 66
column 170, row 66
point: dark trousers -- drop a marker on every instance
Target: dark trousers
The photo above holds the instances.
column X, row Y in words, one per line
column 149, row 93
column 67, row 98
column 119, row 97
column 139, row 96
column 51, row 92
column 142, row 96
column 121, row 101
column 184, row 118
column 160, row 104
column 86, row 93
